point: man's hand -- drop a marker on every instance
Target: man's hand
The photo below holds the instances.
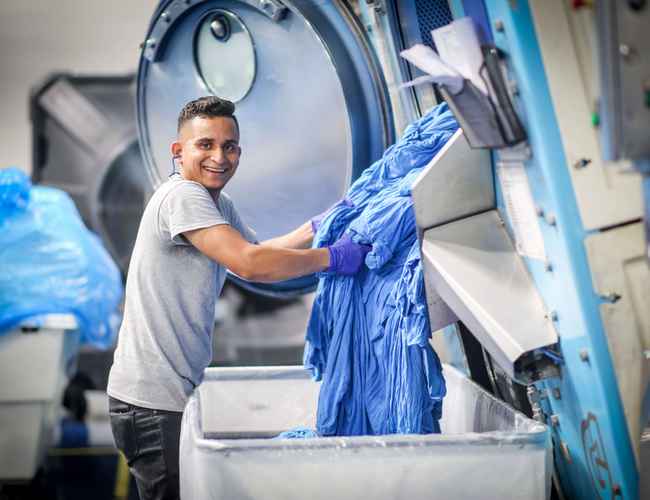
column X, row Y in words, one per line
column 318, row 220
column 346, row 256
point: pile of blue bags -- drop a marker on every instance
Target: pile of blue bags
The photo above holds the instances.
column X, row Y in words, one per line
column 50, row 262
column 368, row 335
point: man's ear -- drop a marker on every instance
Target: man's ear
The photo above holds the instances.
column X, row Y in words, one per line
column 176, row 149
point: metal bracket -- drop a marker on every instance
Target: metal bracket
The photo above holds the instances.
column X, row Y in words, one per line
column 273, row 9
column 378, row 5
column 520, row 153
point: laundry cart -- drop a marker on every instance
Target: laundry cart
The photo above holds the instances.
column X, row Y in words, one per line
column 36, row 361
column 486, row 449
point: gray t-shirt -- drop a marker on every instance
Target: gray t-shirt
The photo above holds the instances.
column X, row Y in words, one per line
column 165, row 341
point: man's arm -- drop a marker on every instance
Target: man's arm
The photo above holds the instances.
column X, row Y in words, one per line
column 262, row 263
column 298, row 238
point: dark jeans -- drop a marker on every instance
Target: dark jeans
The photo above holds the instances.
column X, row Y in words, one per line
column 149, row 440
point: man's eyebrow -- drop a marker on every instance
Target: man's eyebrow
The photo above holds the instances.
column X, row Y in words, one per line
column 210, row 139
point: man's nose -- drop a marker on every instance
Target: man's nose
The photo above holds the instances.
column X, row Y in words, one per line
column 218, row 155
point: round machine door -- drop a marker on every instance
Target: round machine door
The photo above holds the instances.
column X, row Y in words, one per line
column 310, row 100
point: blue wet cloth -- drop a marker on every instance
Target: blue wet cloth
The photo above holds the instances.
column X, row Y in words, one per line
column 367, row 337
column 298, row 433
column 51, row 263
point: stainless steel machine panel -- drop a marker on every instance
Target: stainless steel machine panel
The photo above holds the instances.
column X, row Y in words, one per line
column 456, row 183
column 475, row 268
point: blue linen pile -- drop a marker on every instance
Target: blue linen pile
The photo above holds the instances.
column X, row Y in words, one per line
column 51, row 263
column 367, row 337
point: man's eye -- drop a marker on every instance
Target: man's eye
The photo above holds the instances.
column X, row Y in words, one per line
column 230, row 148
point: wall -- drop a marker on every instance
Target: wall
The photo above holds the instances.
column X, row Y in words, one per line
column 38, row 37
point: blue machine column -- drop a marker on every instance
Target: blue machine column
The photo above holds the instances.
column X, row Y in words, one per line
column 590, row 270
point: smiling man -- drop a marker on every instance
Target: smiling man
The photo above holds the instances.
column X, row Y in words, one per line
column 189, row 235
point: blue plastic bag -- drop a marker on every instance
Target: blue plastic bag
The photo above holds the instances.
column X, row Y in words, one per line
column 367, row 337
column 50, row 262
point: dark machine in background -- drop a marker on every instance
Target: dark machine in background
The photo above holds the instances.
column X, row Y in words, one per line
column 85, row 143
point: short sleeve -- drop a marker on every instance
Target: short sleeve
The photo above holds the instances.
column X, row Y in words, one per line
column 188, row 206
column 229, row 211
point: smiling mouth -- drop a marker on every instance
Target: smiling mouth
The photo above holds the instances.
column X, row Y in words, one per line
column 215, row 170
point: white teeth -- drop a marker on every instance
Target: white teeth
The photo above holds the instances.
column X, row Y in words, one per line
column 216, row 170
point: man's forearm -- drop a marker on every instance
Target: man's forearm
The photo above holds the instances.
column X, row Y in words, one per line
column 225, row 245
column 269, row 264
column 298, row 238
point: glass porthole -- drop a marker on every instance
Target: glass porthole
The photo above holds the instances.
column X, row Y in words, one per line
column 225, row 55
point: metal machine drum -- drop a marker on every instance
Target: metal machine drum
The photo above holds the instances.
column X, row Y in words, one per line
column 310, row 100
column 85, row 143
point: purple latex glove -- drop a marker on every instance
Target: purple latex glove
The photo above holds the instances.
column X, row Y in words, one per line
column 346, row 256
column 318, row 220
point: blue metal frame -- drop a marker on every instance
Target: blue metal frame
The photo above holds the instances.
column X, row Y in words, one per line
column 589, row 427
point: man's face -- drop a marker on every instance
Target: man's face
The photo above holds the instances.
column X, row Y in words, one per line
column 208, row 150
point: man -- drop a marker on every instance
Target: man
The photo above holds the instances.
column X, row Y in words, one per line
column 189, row 235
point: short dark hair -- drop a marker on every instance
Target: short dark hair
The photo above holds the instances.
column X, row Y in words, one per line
column 207, row 107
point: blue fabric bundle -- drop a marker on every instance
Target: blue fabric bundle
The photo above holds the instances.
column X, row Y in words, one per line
column 367, row 337
column 50, row 262
column 298, row 433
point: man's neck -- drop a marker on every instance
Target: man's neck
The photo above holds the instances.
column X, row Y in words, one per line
column 214, row 192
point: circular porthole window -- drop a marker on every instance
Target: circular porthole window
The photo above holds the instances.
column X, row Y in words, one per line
column 225, row 55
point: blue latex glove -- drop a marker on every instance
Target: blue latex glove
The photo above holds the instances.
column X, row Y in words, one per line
column 346, row 256
column 317, row 221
